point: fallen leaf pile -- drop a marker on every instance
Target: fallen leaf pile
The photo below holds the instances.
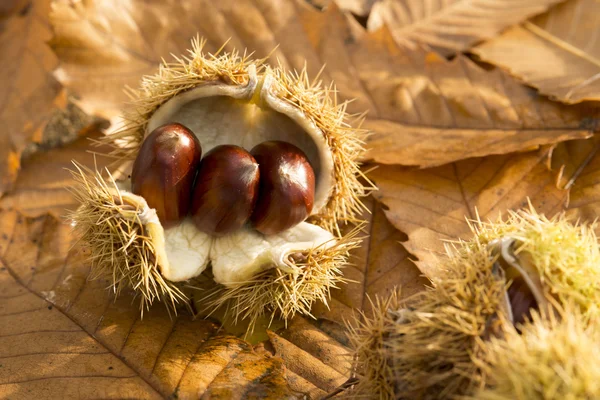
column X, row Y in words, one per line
column 475, row 107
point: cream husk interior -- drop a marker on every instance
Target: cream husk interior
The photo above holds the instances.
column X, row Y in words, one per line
column 245, row 116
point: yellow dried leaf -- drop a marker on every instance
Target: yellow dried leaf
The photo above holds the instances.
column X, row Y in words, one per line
column 557, row 52
column 417, row 102
column 29, row 90
column 452, row 26
column 64, row 336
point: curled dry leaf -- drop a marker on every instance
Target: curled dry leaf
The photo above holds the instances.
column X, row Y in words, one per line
column 451, row 26
column 417, row 102
column 30, row 92
column 432, row 206
column 557, row 52
column 64, row 336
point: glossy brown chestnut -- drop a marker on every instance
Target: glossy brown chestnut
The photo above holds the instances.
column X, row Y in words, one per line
column 226, row 190
column 287, row 187
column 164, row 171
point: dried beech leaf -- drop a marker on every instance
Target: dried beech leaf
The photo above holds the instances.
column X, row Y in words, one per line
column 557, row 52
column 29, row 90
column 456, row 106
column 306, row 365
column 42, row 184
column 380, row 265
column 67, row 337
column 361, row 8
column 316, row 362
column 432, row 205
column 454, row 25
column 44, row 352
column 417, row 102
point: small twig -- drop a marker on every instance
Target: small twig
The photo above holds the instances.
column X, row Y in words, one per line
column 344, row 386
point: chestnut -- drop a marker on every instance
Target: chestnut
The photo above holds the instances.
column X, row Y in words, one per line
column 164, row 171
column 287, row 187
column 226, row 190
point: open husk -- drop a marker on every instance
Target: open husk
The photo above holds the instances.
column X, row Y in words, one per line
column 225, row 98
column 430, row 346
column 552, row 358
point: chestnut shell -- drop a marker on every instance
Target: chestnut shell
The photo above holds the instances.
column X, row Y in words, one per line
column 226, row 190
column 164, row 171
column 287, row 187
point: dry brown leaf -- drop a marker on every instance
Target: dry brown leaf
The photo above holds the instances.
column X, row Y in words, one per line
column 44, row 177
column 570, row 158
column 417, row 101
column 454, row 25
column 454, row 106
column 90, row 345
column 380, row 265
column 432, row 205
column 29, row 90
column 557, row 52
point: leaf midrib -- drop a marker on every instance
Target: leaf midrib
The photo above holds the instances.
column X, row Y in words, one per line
column 60, row 309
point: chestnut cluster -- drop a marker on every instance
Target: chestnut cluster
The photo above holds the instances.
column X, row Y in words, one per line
column 272, row 187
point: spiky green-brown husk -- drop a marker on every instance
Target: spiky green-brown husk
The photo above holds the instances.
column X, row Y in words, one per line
column 369, row 338
column 553, row 358
column 119, row 244
column 274, row 292
column 431, row 345
column 424, row 347
column 436, row 338
column 566, row 255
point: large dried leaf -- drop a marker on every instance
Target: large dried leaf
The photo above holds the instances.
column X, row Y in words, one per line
column 380, row 265
column 558, row 52
column 456, row 106
column 29, row 90
column 42, row 184
column 417, row 101
column 64, row 336
column 432, row 206
column 452, row 25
